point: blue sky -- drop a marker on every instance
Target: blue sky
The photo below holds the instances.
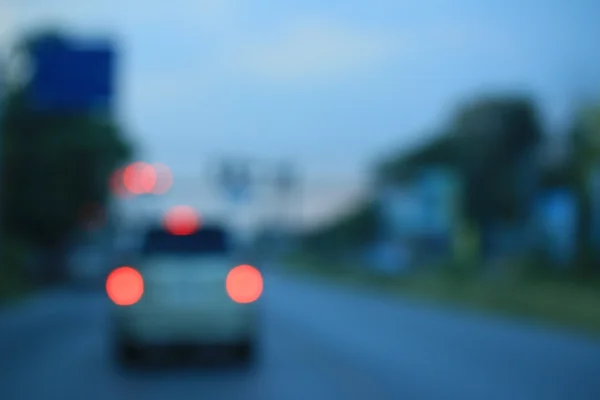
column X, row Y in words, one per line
column 329, row 84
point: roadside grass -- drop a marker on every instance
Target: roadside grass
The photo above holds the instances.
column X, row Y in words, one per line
column 552, row 300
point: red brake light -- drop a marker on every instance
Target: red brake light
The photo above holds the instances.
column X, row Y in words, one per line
column 244, row 284
column 182, row 220
column 125, row 286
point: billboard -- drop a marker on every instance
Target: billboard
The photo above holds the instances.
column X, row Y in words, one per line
column 558, row 222
column 235, row 180
column 400, row 211
column 72, row 75
column 428, row 205
column 438, row 192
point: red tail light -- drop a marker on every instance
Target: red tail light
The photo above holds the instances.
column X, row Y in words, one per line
column 125, row 286
column 244, row 284
column 182, row 221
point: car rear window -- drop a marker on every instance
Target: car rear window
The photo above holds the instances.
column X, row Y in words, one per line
column 207, row 241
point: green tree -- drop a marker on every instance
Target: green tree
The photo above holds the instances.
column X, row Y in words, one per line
column 496, row 135
column 441, row 151
column 352, row 230
column 486, row 143
column 54, row 165
column 585, row 141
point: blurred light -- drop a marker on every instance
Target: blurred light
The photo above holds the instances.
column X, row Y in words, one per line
column 182, row 220
column 132, row 177
column 244, row 284
column 125, row 286
column 147, row 178
column 139, row 178
column 164, row 179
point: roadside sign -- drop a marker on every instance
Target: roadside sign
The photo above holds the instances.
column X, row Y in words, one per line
column 400, row 211
column 235, row 182
column 72, row 75
column 437, row 190
column 558, row 212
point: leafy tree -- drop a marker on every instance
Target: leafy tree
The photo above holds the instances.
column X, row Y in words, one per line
column 488, row 143
column 356, row 228
column 441, row 151
column 496, row 136
column 55, row 163
column 585, row 141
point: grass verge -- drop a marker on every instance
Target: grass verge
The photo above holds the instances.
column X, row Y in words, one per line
column 550, row 300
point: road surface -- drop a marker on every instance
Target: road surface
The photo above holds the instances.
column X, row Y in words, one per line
column 319, row 343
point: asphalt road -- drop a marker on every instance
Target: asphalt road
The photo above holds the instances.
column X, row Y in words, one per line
column 319, row 343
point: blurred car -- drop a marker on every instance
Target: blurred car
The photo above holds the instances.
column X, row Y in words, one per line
column 185, row 302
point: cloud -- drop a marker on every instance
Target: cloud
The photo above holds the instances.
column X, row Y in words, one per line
column 129, row 15
column 318, row 48
column 311, row 50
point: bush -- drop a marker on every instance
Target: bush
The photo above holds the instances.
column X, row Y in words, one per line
column 13, row 268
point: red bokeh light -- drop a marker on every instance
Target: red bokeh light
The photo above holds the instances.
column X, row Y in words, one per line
column 125, row 286
column 164, row 179
column 244, row 284
column 139, row 178
column 147, row 178
column 182, row 220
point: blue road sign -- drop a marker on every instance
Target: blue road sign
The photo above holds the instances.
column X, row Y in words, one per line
column 72, row 75
column 558, row 210
column 235, row 181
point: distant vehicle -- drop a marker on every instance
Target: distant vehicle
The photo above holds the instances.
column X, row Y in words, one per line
column 188, row 298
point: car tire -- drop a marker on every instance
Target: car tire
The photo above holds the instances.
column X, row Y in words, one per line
column 126, row 353
column 245, row 353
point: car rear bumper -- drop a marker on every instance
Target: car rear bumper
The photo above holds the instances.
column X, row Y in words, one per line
column 193, row 348
column 188, row 328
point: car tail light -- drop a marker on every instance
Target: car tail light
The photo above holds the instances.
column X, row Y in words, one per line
column 182, row 221
column 244, row 284
column 125, row 286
